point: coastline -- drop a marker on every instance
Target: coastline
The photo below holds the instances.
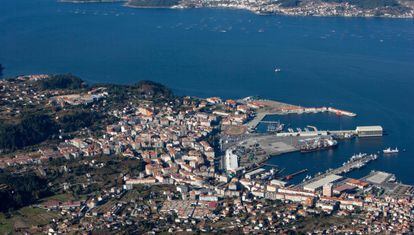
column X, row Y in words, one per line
column 148, row 7
column 279, row 11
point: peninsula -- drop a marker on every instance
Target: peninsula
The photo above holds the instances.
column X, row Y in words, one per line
column 105, row 158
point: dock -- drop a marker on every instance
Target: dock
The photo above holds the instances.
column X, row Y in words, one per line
column 317, row 133
column 361, row 131
column 289, row 177
column 258, row 119
column 271, row 107
column 347, row 167
column 270, row 165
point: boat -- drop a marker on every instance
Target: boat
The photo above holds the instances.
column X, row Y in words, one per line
column 317, row 144
column 275, row 127
column 389, row 150
column 277, row 70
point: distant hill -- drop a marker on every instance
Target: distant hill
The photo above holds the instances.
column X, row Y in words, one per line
column 61, row 81
column 144, row 90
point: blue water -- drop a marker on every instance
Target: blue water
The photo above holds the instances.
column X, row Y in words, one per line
column 320, row 161
column 362, row 65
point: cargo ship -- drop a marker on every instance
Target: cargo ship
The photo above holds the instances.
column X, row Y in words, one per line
column 316, row 144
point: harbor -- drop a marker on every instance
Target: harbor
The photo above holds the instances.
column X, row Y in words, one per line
column 272, row 131
column 259, row 145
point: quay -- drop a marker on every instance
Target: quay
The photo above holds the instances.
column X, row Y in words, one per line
column 360, row 131
column 258, row 119
column 289, row 177
column 347, row 167
column 270, row 165
column 267, row 145
column 270, row 107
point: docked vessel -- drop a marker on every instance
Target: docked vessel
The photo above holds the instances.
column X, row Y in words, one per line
column 358, row 161
column 389, row 150
column 316, row 144
column 275, row 127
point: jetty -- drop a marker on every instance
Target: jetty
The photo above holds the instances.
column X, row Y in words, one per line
column 360, row 131
column 345, row 168
column 270, row 107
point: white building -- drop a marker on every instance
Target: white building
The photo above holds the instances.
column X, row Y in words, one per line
column 230, row 160
column 368, row 131
column 316, row 185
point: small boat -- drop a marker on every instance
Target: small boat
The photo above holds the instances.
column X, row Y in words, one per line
column 389, row 150
column 277, row 70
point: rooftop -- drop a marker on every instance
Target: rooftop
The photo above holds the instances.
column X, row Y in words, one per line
column 369, row 128
column 378, row 177
column 321, row 182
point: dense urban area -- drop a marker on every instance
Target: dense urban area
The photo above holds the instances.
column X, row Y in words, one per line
column 136, row 158
column 348, row 8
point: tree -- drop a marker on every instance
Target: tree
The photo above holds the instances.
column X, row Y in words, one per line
column 61, row 81
column 22, row 190
column 33, row 129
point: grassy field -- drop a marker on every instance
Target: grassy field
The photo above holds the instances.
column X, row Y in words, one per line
column 6, row 225
column 26, row 217
column 60, row 197
column 320, row 223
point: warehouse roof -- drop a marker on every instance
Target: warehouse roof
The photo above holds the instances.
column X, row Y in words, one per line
column 369, row 128
column 321, row 182
column 378, row 177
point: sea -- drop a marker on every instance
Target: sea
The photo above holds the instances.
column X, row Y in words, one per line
column 364, row 65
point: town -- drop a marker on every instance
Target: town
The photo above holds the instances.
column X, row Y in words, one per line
column 396, row 9
column 140, row 159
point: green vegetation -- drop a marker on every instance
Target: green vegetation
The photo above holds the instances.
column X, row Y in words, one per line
column 74, row 120
column 61, row 81
column 63, row 197
column 152, row 89
column 26, row 217
column 147, row 90
column 32, row 129
column 153, row 3
column 6, row 225
column 22, row 190
column 320, row 222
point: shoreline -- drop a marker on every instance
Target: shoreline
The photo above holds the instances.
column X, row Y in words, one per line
column 256, row 12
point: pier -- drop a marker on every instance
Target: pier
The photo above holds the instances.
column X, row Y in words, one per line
column 270, row 165
column 259, row 119
column 289, row 177
column 317, row 133
column 271, row 107
column 361, row 131
column 347, row 167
